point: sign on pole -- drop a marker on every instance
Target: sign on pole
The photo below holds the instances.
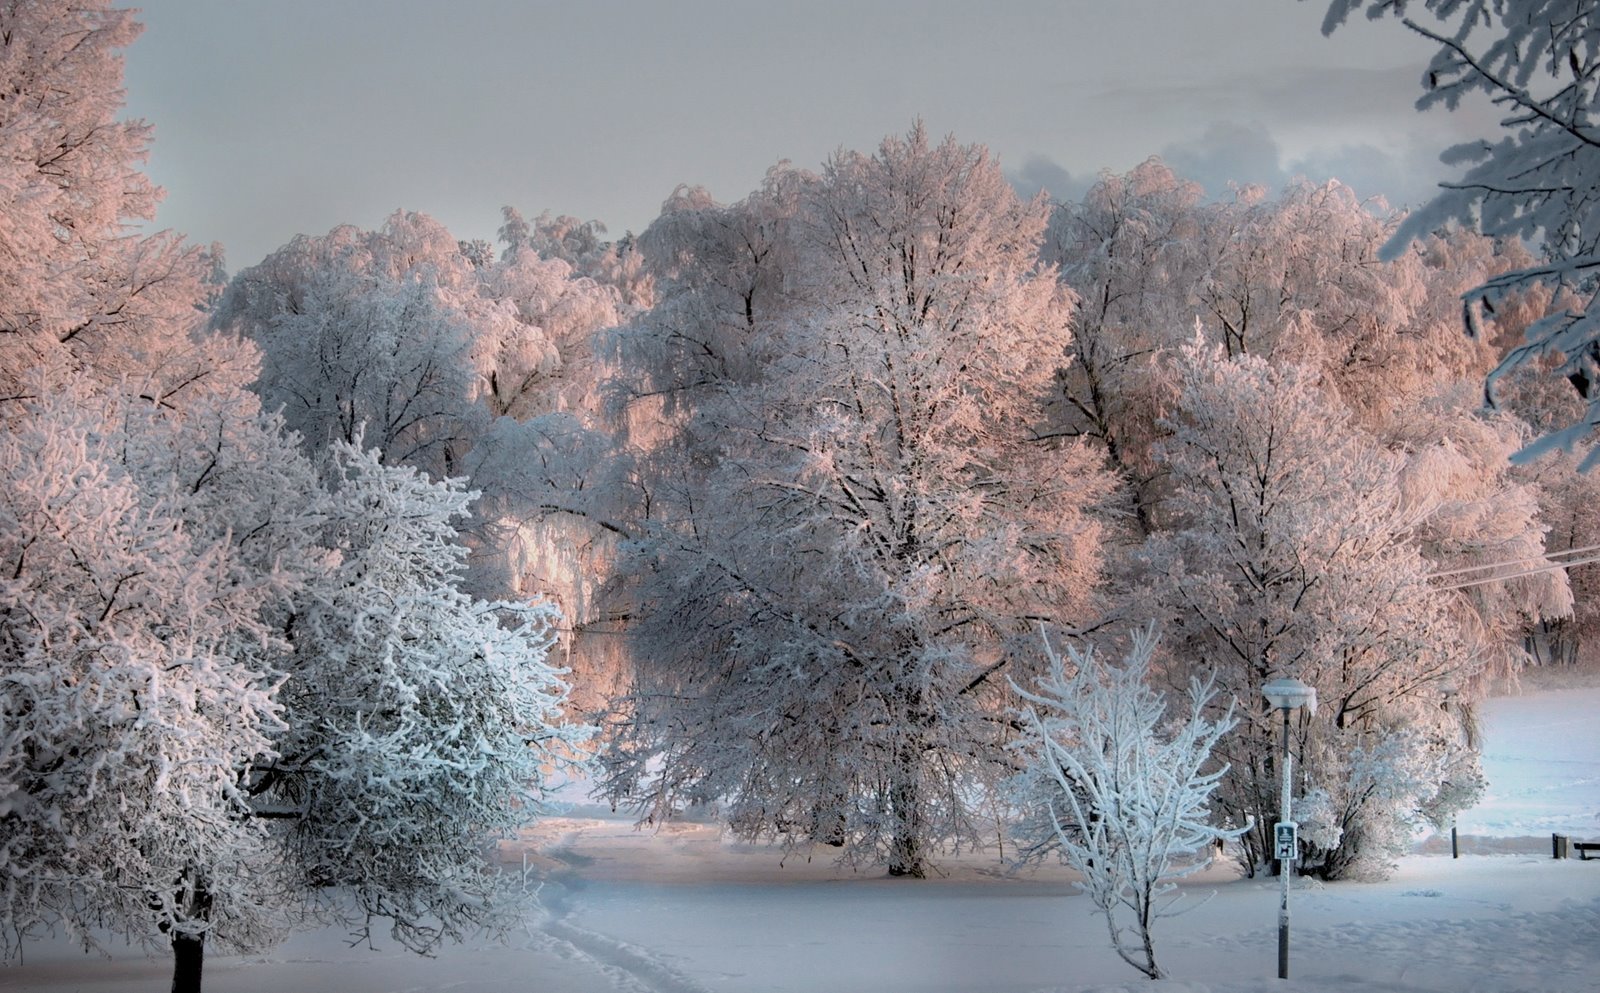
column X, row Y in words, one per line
column 1286, row 836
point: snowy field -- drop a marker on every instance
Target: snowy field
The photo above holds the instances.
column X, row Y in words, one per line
column 686, row 911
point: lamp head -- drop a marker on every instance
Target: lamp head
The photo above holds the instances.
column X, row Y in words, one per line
column 1290, row 694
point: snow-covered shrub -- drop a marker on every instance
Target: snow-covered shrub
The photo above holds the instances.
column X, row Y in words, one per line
column 1130, row 804
column 422, row 722
column 1377, row 790
column 1293, row 550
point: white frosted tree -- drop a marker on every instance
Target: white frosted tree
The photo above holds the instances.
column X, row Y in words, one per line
column 1538, row 63
column 1292, row 276
column 855, row 531
column 1131, row 252
column 1126, row 784
column 421, row 722
column 1292, row 553
column 724, row 276
column 1477, row 510
column 151, row 529
column 542, row 359
column 166, row 549
column 79, row 290
column 1299, row 277
column 359, row 335
column 1567, row 498
column 147, row 557
column 460, row 365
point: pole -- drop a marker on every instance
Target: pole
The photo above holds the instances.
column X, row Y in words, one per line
column 1285, row 866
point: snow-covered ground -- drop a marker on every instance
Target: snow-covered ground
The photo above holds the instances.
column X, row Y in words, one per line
column 684, row 910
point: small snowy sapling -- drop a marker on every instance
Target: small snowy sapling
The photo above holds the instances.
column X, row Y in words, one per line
column 1129, row 792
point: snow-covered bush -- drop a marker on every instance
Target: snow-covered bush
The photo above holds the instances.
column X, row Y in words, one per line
column 1131, row 786
column 421, row 721
column 1293, row 550
column 1377, row 789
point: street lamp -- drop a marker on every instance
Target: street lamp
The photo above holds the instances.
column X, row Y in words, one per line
column 1286, row 695
column 1450, row 691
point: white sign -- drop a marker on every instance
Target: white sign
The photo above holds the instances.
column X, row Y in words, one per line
column 1286, row 837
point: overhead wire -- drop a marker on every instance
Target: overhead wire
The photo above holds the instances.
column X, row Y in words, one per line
column 1548, row 556
column 1548, row 566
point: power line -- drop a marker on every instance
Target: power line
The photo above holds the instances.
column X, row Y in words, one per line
column 1549, row 566
column 1548, row 557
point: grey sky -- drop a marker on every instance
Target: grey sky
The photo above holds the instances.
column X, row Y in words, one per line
column 293, row 116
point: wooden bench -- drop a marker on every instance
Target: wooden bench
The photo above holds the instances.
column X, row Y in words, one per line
column 1583, row 849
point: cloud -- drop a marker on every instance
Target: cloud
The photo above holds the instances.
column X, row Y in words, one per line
column 1229, row 153
column 1406, row 175
column 1334, row 97
column 1040, row 172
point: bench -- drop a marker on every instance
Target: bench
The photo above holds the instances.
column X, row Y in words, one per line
column 1583, row 849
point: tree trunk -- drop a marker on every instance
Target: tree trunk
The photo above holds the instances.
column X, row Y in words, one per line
column 905, row 802
column 188, row 954
column 189, row 950
column 905, row 855
column 828, row 822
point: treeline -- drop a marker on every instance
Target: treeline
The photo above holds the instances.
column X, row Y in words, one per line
column 793, row 489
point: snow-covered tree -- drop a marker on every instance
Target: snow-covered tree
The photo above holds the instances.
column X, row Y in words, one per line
column 166, row 547
column 1127, row 786
column 78, row 290
column 151, row 527
column 421, row 722
column 461, row 366
column 1567, row 501
column 1538, row 62
column 147, row 556
column 857, row 533
column 724, row 274
column 1130, row 250
column 542, row 359
column 1477, row 511
column 359, row 336
column 1293, row 276
column 161, row 776
column 1292, row 554
column 616, row 265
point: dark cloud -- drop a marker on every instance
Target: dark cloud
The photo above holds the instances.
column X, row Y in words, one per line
column 1229, row 154
column 1042, row 173
column 1405, row 176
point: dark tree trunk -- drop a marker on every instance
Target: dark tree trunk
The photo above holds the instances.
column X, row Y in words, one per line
column 189, row 950
column 828, row 823
column 905, row 856
column 188, row 955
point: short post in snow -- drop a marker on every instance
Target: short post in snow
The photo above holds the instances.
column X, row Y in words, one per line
column 1287, row 695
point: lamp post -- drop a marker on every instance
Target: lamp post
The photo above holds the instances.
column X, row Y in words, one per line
column 1450, row 691
column 1286, row 695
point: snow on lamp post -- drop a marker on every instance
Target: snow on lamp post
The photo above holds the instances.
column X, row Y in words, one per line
column 1286, row 695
